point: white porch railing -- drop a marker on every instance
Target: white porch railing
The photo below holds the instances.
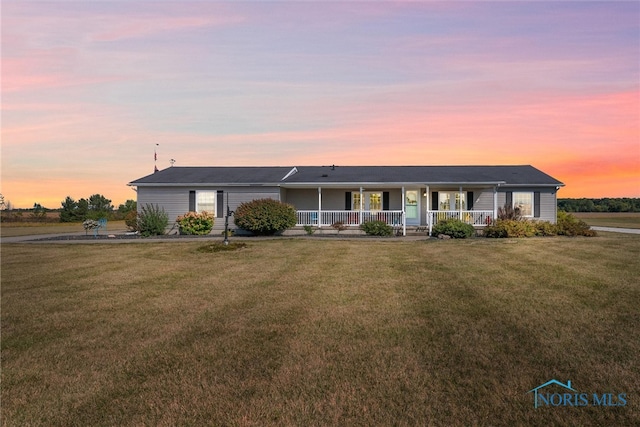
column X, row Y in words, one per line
column 349, row 218
column 475, row 218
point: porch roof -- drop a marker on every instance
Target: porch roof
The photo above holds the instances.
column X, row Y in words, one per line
column 350, row 175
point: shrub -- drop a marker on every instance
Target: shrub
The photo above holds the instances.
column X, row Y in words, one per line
column 376, row 228
column 453, row 228
column 309, row 229
column 569, row 225
column 265, row 216
column 339, row 225
column 509, row 212
column 510, row 228
column 195, row 223
column 152, row 220
column 545, row 228
column 131, row 220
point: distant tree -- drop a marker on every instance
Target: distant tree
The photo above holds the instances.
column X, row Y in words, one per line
column 99, row 207
column 69, row 209
column 38, row 213
column 83, row 209
column 128, row 206
column 2, row 205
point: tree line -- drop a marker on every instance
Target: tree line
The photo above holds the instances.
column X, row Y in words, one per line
column 95, row 207
column 624, row 204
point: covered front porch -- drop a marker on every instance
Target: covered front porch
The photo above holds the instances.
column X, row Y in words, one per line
column 400, row 208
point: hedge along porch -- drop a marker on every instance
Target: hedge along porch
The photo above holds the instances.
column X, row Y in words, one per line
column 401, row 196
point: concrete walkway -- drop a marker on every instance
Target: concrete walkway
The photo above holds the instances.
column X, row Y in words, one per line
column 618, row 230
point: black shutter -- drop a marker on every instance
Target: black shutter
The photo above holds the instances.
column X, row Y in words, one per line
column 385, row 200
column 509, row 198
column 434, row 201
column 220, row 204
column 469, row 200
column 347, row 201
column 536, row 204
column 192, row 201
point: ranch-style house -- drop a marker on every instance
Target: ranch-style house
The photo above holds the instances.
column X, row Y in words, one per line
column 403, row 196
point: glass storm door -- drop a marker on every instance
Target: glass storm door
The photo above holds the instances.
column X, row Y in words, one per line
column 412, row 207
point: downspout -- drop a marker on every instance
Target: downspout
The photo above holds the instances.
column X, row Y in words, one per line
column 319, row 207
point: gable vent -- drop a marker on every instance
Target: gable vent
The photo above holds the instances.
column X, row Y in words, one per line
column 291, row 172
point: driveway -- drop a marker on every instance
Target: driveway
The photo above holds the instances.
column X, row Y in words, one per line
column 618, row 230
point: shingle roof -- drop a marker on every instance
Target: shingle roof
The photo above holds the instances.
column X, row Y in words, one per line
column 316, row 175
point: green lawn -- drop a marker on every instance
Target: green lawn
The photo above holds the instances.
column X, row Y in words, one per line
column 319, row 332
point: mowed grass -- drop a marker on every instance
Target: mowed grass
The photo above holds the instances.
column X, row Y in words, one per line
column 319, row 332
column 610, row 219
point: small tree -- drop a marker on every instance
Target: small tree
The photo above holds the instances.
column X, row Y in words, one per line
column 265, row 216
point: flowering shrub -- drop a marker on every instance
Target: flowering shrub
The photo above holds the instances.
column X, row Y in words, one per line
column 195, row 223
column 90, row 224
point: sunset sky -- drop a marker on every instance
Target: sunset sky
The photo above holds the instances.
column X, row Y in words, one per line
column 90, row 87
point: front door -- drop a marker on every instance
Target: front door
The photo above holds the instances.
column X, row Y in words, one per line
column 412, row 207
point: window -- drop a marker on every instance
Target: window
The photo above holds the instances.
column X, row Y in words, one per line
column 206, row 201
column 524, row 202
column 371, row 201
column 451, row 200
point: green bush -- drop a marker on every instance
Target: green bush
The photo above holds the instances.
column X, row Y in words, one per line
column 195, row 223
column 510, row 228
column 152, row 220
column 265, row 216
column 309, row 229
column 454, row 228
column 545, row 228
column 376, row 228
column 569, row 225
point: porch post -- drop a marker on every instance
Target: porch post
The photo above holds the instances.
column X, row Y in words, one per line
column 495, row 202
column 361, row 206
column 404, row 214
column 429, row 209
column 319, row 207
column 460, row 203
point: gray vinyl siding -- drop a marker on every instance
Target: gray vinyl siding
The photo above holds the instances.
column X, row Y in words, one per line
column 483, row 199
column 303, row 199
column 175, row 200
column 548, row 201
